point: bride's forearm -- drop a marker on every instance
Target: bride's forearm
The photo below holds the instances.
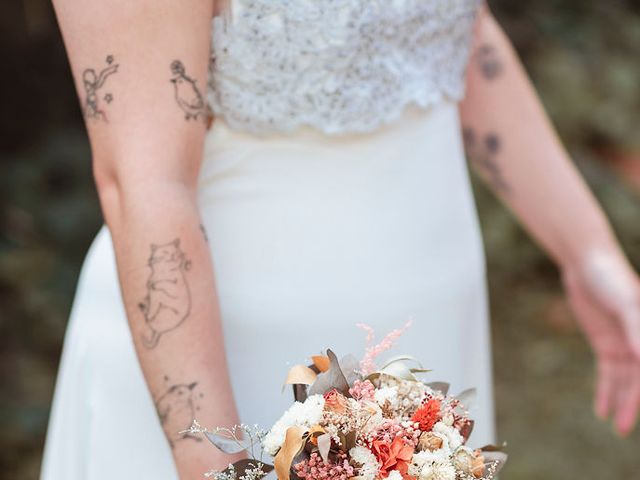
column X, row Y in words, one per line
column 513, row 146
column 169, row 294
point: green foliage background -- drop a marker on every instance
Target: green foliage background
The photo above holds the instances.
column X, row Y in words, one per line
column 583, row 56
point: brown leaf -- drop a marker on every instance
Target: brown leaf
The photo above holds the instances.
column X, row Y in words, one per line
column 300, row 374
column 293, row 443
column 321, row 362
column 332, row 378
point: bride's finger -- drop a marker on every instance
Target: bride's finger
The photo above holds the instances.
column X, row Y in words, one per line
column 628, row 398
column 630, row 319
column 605, row 388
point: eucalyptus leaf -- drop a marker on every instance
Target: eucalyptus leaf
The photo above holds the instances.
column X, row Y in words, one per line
column 468, row 398
column 495, row 457
column 349, row 366
column 324, row 445
column 332, row 378
column 442, row 387
column 227, row 444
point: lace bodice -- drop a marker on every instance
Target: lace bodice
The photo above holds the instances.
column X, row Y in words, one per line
column 339, row 66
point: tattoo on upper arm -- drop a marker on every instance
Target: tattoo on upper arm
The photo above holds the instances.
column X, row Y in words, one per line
column 187, row 94
column 483, row 152
column 93, row 83
column 168, row 300
column 488, row 61
column 177, row 406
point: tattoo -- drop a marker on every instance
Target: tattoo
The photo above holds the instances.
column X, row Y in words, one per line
column 93, row 82
column 488, row 61
column 187, row 94
column 168, row 300
column 177, row 407
column 204, row 233
column 483, row 153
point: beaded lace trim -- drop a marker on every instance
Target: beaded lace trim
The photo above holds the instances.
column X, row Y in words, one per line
column 339, row 66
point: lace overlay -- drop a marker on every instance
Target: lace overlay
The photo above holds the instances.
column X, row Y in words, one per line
column 339, row 66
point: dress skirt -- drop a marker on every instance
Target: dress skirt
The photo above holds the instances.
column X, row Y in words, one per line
column 310, row 234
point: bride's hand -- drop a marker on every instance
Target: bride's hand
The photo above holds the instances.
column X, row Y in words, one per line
column 604, row 293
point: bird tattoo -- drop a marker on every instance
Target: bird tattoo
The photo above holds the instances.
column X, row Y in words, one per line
column 187, row 94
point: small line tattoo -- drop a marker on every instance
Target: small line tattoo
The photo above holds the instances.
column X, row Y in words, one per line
column 483, row 153
column 488, row 61
column 93, row 82
column 187, row 94
column 168, row 300
column 204, row 233
column 177, row 407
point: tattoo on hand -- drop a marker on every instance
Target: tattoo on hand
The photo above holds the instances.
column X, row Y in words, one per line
column 92, row 83
column 177, row 407
column 187, row 94
column 168, row 300
column 483, row 153
column 488, row 61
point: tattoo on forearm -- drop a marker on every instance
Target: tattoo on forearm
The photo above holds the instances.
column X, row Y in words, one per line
column 168, row 300
column 92, row 83
column 177, row 406
column 488, row 61
column 483, row 153
column 187, row 94
column 204, row 233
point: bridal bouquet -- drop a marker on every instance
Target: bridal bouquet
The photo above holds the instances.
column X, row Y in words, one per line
column 353, row 420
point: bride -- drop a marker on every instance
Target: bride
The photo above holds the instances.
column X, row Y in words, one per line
column 328, row 187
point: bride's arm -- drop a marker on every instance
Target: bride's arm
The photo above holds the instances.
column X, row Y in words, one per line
column 140, row 69
column 513, row 146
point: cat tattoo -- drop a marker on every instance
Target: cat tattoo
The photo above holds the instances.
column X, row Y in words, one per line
column 176, row 409
column 168, row 300
column 92, row 83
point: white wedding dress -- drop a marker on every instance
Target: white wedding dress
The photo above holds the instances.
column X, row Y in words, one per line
column 334, row 190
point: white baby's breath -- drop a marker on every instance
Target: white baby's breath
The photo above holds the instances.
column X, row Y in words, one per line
column 368, row 465
column 394, row 475
column 387, row 394
column 304, row 414
column 454, row 439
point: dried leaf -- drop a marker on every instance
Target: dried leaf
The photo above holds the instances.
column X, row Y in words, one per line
column 350, row 366
column 300, row 374
column 441, row 387
column 468, row 398
column 227, row 444
column 466, row 430
column 402, row 358
column 321, row 362
column 332, row 378
column 324, row 445
column 496, row 457
column 293, row 444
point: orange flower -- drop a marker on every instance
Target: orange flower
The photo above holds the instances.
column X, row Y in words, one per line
column 394, row 456
column 427, row 415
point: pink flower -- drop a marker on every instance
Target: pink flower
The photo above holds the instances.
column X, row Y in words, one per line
column 362, row 390
column 368, row 364
column 314, row 468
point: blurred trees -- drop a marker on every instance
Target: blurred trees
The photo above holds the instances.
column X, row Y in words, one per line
column 583, row 56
